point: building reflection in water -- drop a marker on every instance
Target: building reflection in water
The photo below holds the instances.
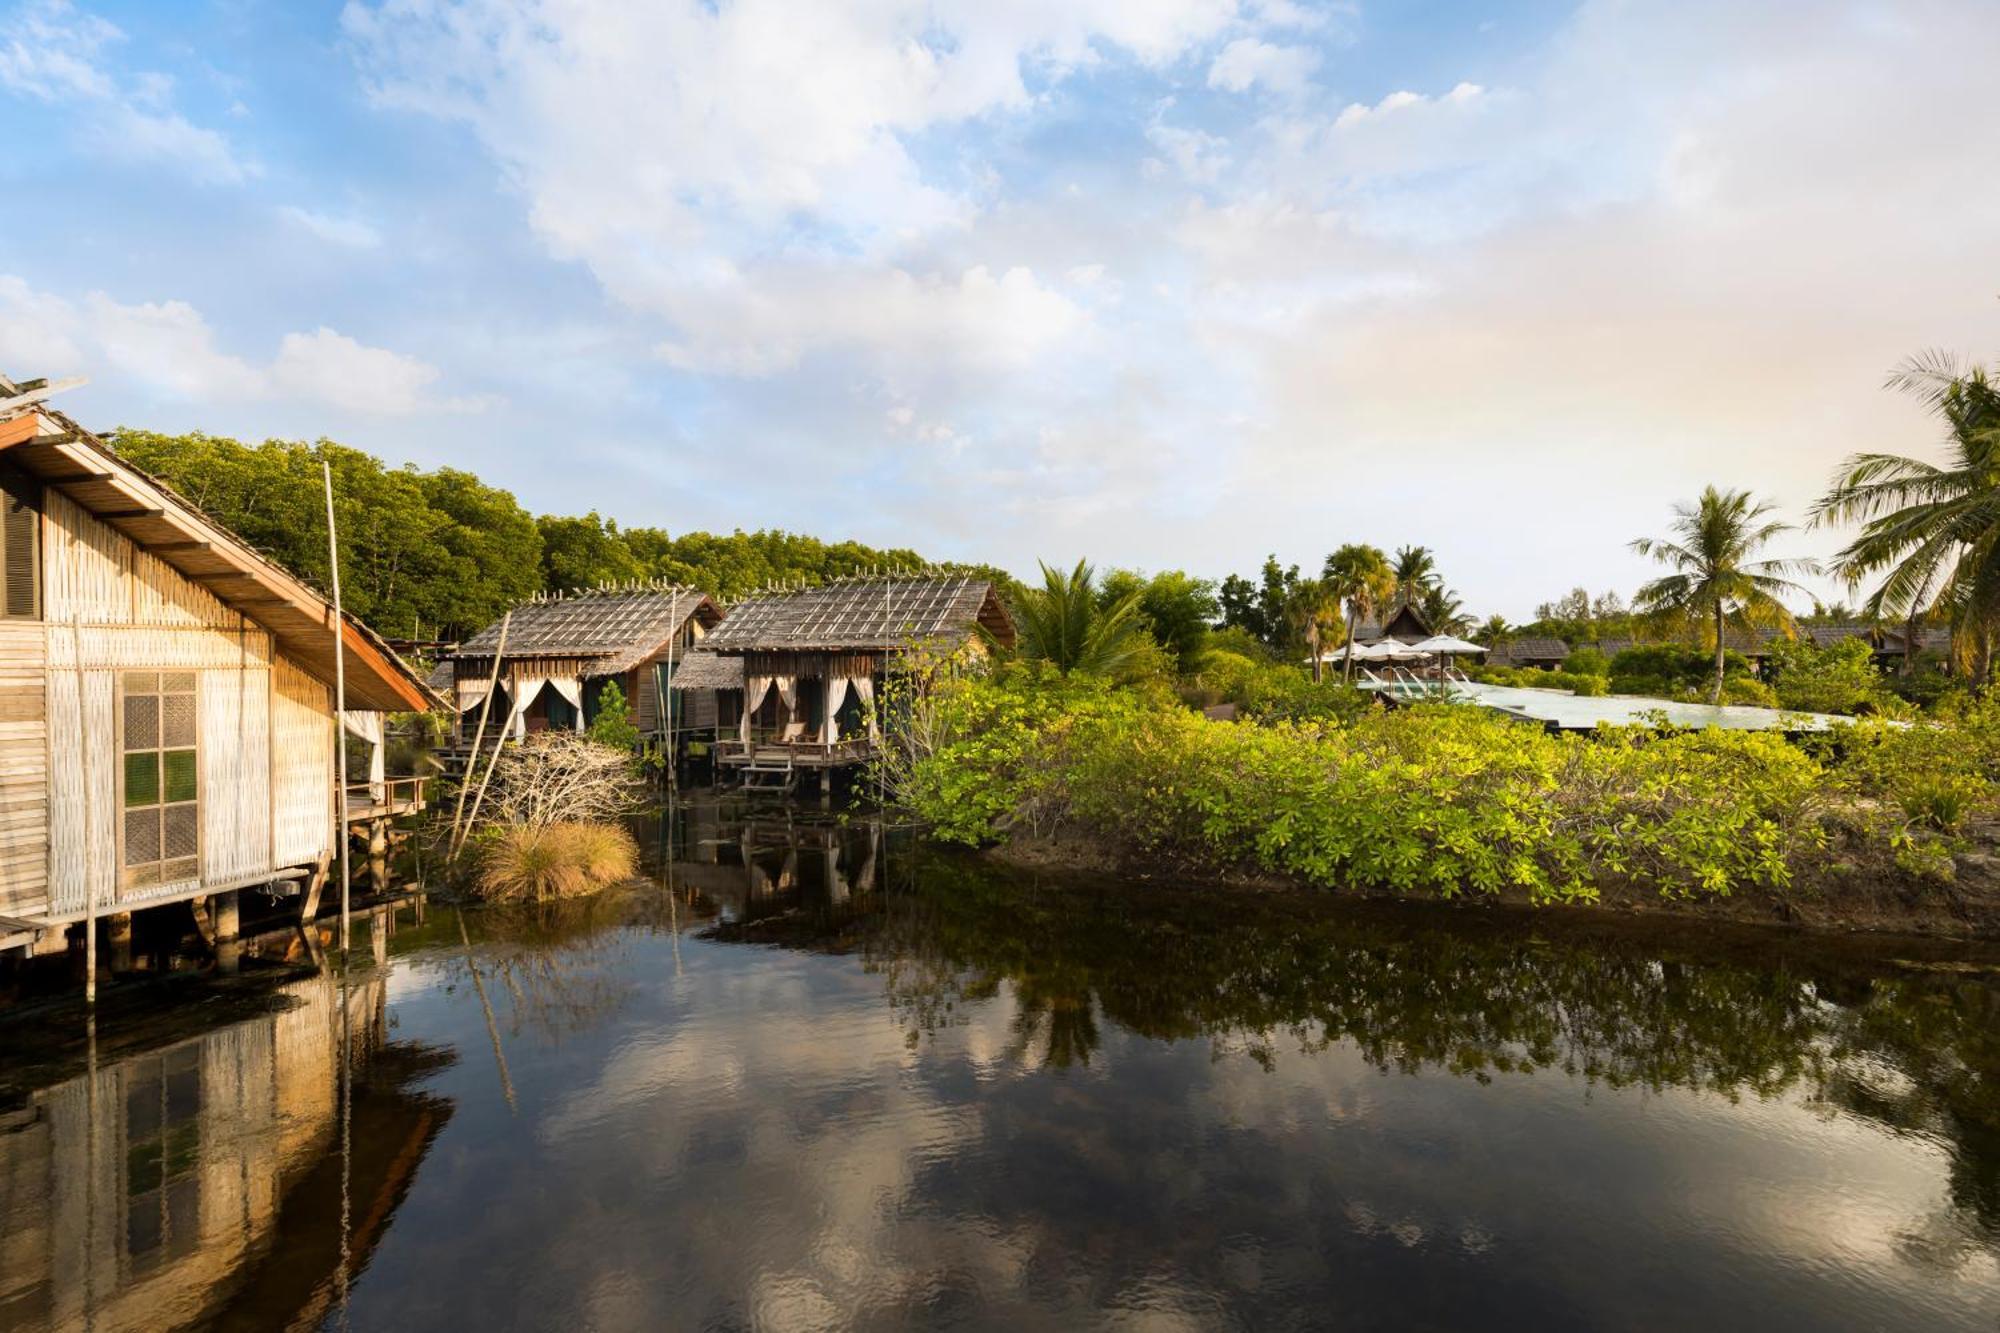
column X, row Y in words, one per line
column 759, row 866
column 204, row 1178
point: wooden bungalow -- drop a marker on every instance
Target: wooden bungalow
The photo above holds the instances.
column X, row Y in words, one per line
column 813, row 659
column 1532, row 651
column 166, row 722
column 563, row 649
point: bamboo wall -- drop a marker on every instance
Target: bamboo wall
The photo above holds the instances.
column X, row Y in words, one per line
column 265, row 728
column 24, row 769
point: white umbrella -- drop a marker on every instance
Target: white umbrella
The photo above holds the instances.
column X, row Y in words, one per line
column 1446, row 646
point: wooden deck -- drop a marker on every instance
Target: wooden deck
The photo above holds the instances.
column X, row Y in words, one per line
column 762, row 754
column 369, row 801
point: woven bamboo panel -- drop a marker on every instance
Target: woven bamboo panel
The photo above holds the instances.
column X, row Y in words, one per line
column 24, row 771
column 83, row 743
column 140, row 647
column 100, row 577
column 235, row 753
column 301, row 783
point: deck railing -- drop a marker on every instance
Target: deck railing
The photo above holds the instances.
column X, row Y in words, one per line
column 369, row 800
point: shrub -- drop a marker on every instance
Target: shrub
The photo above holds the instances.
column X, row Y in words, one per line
column 559, row 777
column 523, row 864
column 613, row 725
column 1840, row 679
column 1435, row 799
column 1587, row 662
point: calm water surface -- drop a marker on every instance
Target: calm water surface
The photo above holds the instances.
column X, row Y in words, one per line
column 827, row 1082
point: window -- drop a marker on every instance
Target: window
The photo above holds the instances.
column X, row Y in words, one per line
column 162, row 1154
column 161, row 779
column 20, row 546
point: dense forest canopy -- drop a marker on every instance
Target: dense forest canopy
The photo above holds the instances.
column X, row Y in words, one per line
column 441, row 554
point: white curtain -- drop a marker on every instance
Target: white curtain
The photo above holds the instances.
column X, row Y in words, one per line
column 864, row 690
column 836, row 695
column 571, row 689
column 754, row 690
column 470, row 692
column 521, row 690
column 368, row 727
column 788, row 690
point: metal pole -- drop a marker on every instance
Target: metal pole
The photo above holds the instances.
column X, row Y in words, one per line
column 339, row 701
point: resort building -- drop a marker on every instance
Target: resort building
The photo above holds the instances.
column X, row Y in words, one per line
column 1405, row 625
column 166, row 693
column 563, row 649
column 803, row 666
column 1534, row 651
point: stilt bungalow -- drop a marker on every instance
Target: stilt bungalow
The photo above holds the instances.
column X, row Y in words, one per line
column 166, row 693
column 813, row 659
column 563, row 649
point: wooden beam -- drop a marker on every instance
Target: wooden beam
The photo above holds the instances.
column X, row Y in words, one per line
column 157, row 547
column 79, row 479
column 115, row 515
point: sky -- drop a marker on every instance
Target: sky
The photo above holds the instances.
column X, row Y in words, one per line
column 1163, row 283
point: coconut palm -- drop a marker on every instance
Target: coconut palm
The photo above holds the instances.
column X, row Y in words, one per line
column 1360, row 578
column 1442, row 610
column 1494, row 629
column 1062, row 623
column 1716, row 583
column 1313, row 613
column 1416, row 572
column 1931, row 532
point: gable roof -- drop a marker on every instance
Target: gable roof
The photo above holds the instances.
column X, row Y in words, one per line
column 65, row 457
column 619, row 627
column 1535, row 648
column 866, row 614
column 702, row 669
column 1405, row 623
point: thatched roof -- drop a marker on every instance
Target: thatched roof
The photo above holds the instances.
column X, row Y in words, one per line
column 866, row 614
column 1405, row 624
column 1531, row 649
column 617, row 627
column 706, row 670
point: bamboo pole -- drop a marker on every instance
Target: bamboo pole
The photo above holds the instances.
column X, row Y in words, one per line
column 479, row 732
column 339, row 702
column 89, row 825
column 479, row 797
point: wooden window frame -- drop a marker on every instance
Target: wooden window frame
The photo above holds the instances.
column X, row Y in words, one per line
column 24, row 490
column 128, row 882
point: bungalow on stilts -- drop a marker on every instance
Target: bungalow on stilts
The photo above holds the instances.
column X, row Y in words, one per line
column 167, row 714
column 804, row 666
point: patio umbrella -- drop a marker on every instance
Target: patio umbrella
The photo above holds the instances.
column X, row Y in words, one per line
column 1446, row 646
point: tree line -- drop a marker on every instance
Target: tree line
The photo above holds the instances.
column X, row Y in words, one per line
column 440, row 554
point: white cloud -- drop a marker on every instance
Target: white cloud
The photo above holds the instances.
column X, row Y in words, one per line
column 52, row 52
column 353, row 233
column 732, row 168
column 1247, row 63
column 168, row 348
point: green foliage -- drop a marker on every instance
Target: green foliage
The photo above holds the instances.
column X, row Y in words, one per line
column 584, row 553
column 1260, row 608
column 1065, row 624
column 1437, row 800
column 613, row 725
column 1673, row 671
column 1175, row 608
column 1840, row 679
column 436, row 552
column 1587, row 662
column 1541, row 678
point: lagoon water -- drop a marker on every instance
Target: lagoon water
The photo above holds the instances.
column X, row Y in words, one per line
column 825, row 1080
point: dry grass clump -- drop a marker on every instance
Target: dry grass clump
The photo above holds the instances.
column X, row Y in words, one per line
column 568, row 860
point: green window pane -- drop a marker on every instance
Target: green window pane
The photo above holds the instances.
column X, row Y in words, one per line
column 142, row 778
column 180, row 775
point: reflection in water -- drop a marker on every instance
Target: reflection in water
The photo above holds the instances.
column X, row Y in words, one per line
column 813, row 1077
column 199, row 1180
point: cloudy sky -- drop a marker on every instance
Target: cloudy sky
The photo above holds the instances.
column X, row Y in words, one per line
column 1169, row 283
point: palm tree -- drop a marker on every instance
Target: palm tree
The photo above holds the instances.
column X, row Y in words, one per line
column 1313, row 612
column 1061, row 623
column 1442, row 610
column 1416, row 572
column 1931, row 532
column 1493, row 630
column 1715, row 582
column 1359, row 578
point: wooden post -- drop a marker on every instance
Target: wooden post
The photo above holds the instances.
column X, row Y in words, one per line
column 479, row 734
column 339, row 700
column 89, row 840
column 378, row 856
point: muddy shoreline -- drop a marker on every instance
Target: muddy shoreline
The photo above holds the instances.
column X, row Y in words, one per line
column 1875, row 904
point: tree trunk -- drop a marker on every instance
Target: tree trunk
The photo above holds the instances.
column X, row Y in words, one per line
column 1312, row 643
column 1718, row 654
column 1347, row 667
column 1910, row 643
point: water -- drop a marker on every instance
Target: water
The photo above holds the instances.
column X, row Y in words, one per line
column 825, row 1082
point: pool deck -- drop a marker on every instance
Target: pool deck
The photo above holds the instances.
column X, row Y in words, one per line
column 1560, row 711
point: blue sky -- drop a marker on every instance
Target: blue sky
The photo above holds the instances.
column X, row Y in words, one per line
column 1168, row 283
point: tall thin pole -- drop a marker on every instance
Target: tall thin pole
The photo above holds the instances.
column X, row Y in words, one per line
column 339, row 701
column 479, row 733
column 89, row 870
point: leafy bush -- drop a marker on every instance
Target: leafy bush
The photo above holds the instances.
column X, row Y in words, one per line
column 1738, row 690
column 1587, row 662
column 613, row 725
column 1673, row 671
column 1434, row 799
column 1540, row 678
column 524, row 863
column 1840, row 679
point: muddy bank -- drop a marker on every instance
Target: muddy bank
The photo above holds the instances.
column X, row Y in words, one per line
column 1846, row 897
